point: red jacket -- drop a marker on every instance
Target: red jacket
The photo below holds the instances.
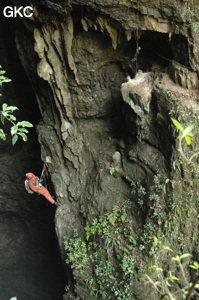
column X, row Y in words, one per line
column 34, row 184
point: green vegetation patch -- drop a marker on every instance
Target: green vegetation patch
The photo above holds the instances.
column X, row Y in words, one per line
column 106, row 257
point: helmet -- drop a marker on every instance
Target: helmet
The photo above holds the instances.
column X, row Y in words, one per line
column 29, row 175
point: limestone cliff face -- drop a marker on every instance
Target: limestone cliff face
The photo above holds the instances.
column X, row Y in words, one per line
column 106, row 75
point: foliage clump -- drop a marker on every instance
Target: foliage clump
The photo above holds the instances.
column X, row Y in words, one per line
column 17, row 129
column 187, row 134
column 173, row 282
column 106, row 255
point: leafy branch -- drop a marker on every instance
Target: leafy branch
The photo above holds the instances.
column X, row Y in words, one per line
column 18, row 128
column 170, row 286
column 187, row 135
column 6, row 114
column 3, row 78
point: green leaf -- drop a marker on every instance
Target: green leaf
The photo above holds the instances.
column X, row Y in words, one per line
column 4, row 113
column 188, row 130
column 3, row 78
column 176, row 258
column 4, row 106
column 193, row 267
column 12, row 108
column 2, row 135
column 196, row 264
column 174, row 277
column 196, row 286
column 149, row 278
column 11, row 117
column 2, row 119
column 188, row 140
column 14, row 139
column 25, row 124
column 167, row 283
column 112, row 170
column 154, row 267
column 123, row 217
column 190, row 134
column 169, row 249
column 177, row 124
column 185, row 255
column 156, row 241
column 24, row 136
column 23, row 130
column 14, row 130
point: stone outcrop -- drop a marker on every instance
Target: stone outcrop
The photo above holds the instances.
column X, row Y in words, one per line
column 79, row 56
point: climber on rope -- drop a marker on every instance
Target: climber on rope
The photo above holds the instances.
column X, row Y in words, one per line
column 33, row 184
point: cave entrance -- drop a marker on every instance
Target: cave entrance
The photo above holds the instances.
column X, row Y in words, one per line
column 155, row 51
column 30, row 261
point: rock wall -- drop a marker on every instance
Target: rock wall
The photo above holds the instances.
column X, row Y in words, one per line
column 107, row 76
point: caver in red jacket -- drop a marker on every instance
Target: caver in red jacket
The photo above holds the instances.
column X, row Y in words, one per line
column 34, row 184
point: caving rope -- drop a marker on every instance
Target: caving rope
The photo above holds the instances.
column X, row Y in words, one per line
column 45, row 178
column 44, row 170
